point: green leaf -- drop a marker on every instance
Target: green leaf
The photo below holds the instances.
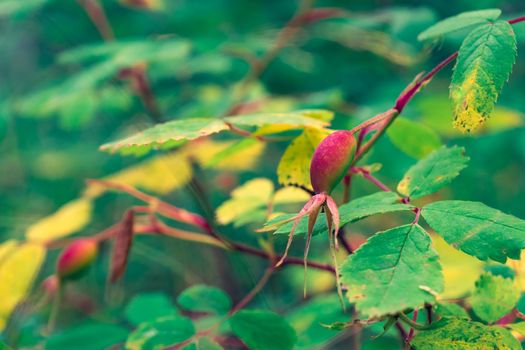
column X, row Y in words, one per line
column 294, row 166
column 166, row 135
column 263, row 330
column 433, row 172
column 460, row 334
column 356, row 209
column 202, row 298
column 483, row 66
column 518, row 327
column 394, row 270
column 17, row 7
column 415, row 139
column 494, row 297
column 460, row 21
column 87, row 336
column 451, row 310
column 126, row 53
column 477, row 229
column 173, row 133
column 307, row 320
column 149, row 307
column 297, row 119
column 160, row 333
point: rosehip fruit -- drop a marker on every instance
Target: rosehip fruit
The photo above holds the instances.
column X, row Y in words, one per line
column 331, row 160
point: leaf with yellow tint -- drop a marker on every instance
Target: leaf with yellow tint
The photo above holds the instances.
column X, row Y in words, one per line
column 160, row 175
column 241, row 155
column 288, row 195
column 434, row 108
column 166, row 135
column 484, row 64
column 460, row 270
column 519, row 268
column 68, row 219
column 251, row 197
column 294, row 167
column 6, row 248
column 18, row 269
column 225, row 155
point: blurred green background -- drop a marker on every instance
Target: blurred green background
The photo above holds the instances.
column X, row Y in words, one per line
column 58, row 104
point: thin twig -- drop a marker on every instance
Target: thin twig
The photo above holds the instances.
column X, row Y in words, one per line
column 96, row 13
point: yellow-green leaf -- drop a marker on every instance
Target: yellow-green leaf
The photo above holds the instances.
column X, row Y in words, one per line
column 413, row 138
column 294, row 167
column 166, row 135
column 245, row 199
column 160, row 175
column 18, row 269
column 287, row 195
column 483, row 66
column 67, row 220
column 460, row 270
column 241, row 155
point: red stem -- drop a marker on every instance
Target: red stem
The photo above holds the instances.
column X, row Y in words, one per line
column 97, row 15
column 411, row 332
column 367, row 175
column 409, row 93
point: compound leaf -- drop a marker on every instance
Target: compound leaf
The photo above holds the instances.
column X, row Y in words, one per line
column 433, row 172
column 395, row 270
column 477, row 229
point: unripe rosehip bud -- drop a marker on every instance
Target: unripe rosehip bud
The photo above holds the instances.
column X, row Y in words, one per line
column 76, row 258
column 331, row 160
